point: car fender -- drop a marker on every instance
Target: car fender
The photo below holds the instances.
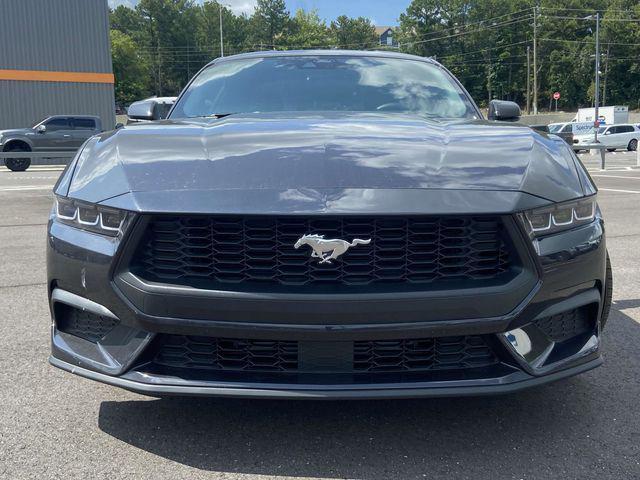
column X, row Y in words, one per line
column 7, row 141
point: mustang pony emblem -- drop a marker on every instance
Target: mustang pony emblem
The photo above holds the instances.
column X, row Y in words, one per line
column 320, row 247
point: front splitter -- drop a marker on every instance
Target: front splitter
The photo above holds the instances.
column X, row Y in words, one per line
column 327, row 392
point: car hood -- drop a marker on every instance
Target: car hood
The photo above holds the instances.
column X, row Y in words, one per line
column 15, row 131
column 242, row 155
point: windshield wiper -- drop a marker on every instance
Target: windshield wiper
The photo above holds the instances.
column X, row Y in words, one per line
column 213, row 115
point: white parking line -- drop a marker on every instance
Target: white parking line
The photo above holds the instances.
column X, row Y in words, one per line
column 19, row 188
column 616, row 176
column 47, row 168
column 616, row 190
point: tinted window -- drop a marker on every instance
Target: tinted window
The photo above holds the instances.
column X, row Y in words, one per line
column 324, row 83
column 84, row 123
column 58, row 124
column 625, row 129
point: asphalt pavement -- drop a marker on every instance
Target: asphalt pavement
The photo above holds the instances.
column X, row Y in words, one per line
column 55, row 425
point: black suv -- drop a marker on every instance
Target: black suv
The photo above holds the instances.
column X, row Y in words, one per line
column 326, row 224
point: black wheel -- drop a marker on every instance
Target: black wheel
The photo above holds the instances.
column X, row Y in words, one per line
column 633, row 145
column 608, row 294
column 17, row 164
column 611, row 149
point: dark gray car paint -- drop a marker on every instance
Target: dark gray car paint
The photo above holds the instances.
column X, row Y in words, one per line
column 299, row 155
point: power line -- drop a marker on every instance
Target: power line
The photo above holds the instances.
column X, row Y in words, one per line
column 506, row 23
column 587, row 42
column 485, row 49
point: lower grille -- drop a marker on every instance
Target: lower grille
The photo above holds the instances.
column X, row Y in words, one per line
column 228, row 354
column 566, row 325
column 83, row 324
column 425, row 354
column 400, row 356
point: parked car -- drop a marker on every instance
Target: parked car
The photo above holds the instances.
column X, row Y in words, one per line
column 624, row 136
column 540, row 128
column 59, row 133
column 563, row 130
column 327, row 224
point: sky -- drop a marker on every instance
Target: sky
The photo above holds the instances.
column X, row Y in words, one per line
column 380, row 12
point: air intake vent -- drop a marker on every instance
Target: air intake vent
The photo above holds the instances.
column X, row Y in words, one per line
column 83, row 324
column 566, row 325
column 444, row 353
column 414, row 355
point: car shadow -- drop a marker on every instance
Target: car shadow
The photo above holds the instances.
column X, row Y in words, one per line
column 540, row 430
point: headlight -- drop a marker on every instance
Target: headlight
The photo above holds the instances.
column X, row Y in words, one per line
column 559, row 217
column 94, row 218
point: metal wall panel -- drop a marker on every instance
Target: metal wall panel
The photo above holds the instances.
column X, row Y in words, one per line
column 54, row 35
column 22, row 104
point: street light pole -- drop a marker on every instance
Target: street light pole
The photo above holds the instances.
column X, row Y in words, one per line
column 597, row 93
column 221, row 35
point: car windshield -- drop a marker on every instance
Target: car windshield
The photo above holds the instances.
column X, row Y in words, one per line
column 601, row 129
column 555, row 127
column 324, row 83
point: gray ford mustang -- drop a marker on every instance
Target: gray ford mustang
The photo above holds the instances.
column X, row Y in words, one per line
column 326, row 224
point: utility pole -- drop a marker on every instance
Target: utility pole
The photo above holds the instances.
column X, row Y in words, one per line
column 535, row 60
column 159, row 66
column 221, row 35
column 606, row 74
column 528, row 82
column 597, row 95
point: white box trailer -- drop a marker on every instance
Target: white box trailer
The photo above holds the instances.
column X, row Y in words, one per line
column 608, row 115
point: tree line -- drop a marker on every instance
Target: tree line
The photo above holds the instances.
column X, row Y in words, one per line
column 158, row 45
column 497, row 48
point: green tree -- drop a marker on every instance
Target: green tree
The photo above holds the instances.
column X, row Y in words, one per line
column 270, row 22
column 207, row 25
column 354, row 33
column 131, row 71
column 308, row 30
column 168, row 35
column 126, row 20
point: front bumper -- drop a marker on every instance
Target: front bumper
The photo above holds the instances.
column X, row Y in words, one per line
column 566, row 274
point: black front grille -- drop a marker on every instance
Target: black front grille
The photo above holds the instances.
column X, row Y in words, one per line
column 83, row 324
column 425, row 354
column 566, row 325
column 259, row 250
column 388, row 356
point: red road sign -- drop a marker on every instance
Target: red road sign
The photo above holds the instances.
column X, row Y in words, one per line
column 556, row 96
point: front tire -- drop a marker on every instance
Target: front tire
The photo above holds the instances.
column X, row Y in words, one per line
column 633, row 145
column 17, row 164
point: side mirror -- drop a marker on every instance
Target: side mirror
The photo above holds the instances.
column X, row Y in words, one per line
column 119, row 125
column 142, row 110
column 504, row 111
column 150, row 109
column 41, row 129
column 608, row 132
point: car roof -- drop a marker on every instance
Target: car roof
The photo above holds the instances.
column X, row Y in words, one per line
column 93, row 117
column 325, row 53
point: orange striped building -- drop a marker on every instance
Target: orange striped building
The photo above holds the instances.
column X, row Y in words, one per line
column 55, row 59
